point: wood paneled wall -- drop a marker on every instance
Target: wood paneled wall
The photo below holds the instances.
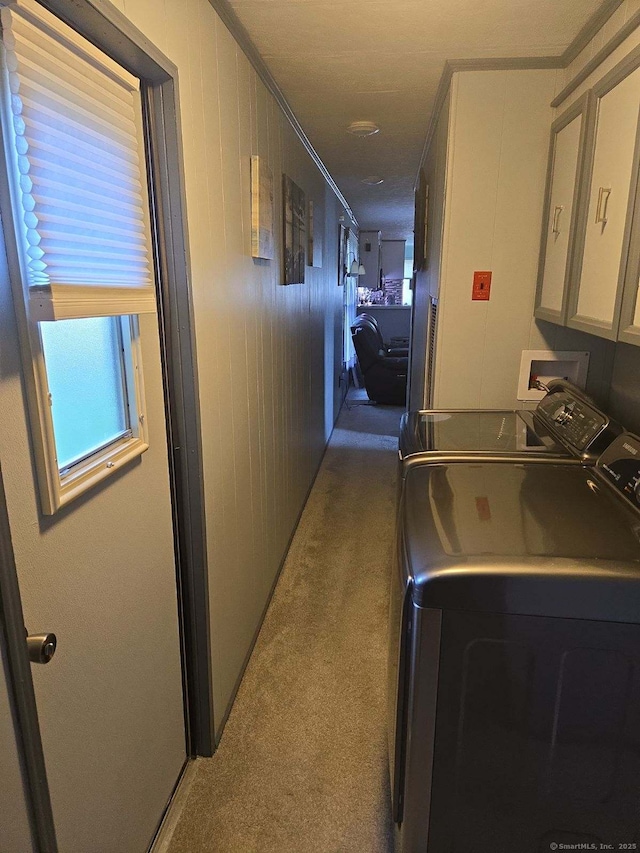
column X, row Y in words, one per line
column 269, row 356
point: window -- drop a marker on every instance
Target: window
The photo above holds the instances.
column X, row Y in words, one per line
column 79, row 249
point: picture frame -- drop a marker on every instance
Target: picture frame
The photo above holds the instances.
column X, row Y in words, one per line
column 262, row 237
column 310, row 234
column 421, row 215
column 343, row 242
column 294, row 232
column 315, row 228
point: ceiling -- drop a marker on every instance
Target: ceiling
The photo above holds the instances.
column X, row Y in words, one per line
column 340, row 62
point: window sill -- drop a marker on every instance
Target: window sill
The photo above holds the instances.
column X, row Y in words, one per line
column 97, row 468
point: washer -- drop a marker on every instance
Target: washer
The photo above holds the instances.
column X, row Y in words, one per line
column 566, row 424
column 515, row 655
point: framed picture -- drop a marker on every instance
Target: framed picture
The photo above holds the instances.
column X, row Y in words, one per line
column 310, row 234
column 425, row 229
column 343, row 241
column 295, row 228
column 420, row 223
column 262, row 242
column 315, row 227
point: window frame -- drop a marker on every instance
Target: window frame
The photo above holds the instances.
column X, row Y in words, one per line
column 77, row 477
column 58, row 487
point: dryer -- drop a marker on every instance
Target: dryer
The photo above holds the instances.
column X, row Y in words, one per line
column 515, row 655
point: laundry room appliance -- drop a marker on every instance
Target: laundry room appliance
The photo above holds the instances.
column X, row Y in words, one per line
column 566, row 424
column 515, row 655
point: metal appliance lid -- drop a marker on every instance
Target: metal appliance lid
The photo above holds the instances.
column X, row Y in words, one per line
column 489, row 431
column 540, row 539
column 566, row 424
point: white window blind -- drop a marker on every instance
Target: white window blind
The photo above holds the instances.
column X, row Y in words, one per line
column 72, row 137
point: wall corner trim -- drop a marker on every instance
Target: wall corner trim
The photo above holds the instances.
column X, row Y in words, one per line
column 240, row 34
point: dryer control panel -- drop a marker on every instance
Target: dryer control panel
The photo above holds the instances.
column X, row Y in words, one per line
column 576, row 422
column 620, row 465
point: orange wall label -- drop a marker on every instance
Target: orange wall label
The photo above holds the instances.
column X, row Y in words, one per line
column 481, row 286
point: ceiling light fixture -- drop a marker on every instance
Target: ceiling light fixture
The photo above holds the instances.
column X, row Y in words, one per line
column 373, row 180
column 363, row 128
column 355, row 268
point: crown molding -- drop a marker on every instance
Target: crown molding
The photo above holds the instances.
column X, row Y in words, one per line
column 590, row 29
column 240, row 34
column 614, row 42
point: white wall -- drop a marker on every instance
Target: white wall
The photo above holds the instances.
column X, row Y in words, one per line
column 268, row 356
column 498, row 137
column 496, row 172
column 393, row 258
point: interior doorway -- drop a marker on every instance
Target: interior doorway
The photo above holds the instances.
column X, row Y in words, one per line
column 102, row 573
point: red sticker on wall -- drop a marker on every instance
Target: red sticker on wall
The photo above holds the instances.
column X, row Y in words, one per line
column 481, row 286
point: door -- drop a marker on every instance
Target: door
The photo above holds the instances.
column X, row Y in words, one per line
column 564, row 183
column 25, row 803
column 14, row 833
column 597, row 301
column 100, row 574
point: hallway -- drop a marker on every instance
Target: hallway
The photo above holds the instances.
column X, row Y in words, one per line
column 302, row 765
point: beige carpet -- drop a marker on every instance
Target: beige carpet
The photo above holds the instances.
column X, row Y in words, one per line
column 302, row 765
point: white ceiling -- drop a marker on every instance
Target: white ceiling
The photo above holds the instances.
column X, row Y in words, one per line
column 340, row 62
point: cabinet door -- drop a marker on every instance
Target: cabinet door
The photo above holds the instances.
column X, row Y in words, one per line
column 629, row 329
column 595, row 306
column 569, row 141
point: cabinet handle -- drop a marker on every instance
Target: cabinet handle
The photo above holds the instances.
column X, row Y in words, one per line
column 555, row 228
column 603, row 203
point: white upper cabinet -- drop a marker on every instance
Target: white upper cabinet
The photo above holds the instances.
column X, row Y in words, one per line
column 601, row 247
column 629, row 329
column 562, row 203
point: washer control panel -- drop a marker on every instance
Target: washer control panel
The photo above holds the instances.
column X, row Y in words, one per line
column 578, row 425
column 620, row 464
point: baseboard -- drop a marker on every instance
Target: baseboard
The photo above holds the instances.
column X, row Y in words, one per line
column 220, row 728
column 175, row 807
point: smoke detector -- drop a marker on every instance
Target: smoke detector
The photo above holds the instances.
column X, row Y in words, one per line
column 363, row 128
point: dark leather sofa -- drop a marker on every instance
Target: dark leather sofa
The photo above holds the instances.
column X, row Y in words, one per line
column 383, row 370
column 395, row 346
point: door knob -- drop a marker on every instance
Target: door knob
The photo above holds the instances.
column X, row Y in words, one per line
column 41, row 647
